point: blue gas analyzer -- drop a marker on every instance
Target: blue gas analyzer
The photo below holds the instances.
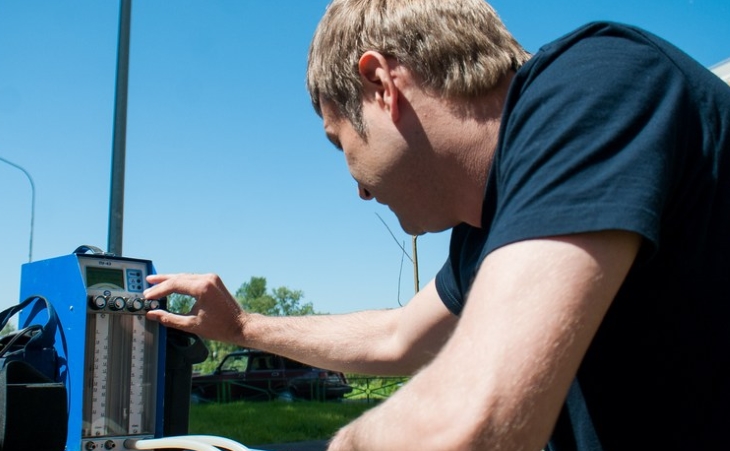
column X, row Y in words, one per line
column 114, row 361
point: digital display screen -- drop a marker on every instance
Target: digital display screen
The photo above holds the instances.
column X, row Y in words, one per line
column 104, row 277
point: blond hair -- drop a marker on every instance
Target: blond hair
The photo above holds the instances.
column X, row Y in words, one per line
column 455, row 48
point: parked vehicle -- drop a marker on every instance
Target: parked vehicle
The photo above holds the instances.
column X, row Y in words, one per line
column 256, row 375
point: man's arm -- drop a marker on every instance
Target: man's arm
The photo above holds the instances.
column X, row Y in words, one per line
column 500, row 381
column 386, row 342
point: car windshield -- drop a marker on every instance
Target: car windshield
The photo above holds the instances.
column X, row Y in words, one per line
column 263, row 362
column 235, row 363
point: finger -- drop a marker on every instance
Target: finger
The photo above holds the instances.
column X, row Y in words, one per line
column 157, row 278
column 167, row 319
column 164, row 284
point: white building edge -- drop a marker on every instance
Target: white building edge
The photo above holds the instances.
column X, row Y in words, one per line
column 722, row 70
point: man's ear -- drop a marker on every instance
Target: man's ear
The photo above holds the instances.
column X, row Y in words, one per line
column 378, row 84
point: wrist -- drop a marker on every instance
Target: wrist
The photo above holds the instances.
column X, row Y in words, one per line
column 247, row 326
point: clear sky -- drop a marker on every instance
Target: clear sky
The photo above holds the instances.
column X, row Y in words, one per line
column 228, row 169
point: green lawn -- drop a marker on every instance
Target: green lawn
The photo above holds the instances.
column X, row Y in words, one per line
column 257, row 423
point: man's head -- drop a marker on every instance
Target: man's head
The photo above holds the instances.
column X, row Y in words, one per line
column 456, row 49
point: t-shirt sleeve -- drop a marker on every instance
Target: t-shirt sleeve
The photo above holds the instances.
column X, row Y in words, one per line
column 590, row 143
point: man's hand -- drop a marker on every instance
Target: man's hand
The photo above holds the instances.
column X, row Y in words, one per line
column 216, row 315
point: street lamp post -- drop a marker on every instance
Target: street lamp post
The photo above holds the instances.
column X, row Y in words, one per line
column 32, row 204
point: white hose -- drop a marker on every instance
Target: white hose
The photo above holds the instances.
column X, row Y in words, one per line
column 168, row 442
column 220, row 442
column 190, row 442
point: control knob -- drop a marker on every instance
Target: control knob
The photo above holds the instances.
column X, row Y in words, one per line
column 99, row 302
column 117, row 303
column 135, row 305
column 151, row 304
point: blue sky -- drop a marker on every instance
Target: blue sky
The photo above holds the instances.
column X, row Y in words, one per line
column 228, row 169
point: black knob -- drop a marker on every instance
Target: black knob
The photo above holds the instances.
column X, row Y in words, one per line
column 135, row 305
column 151, row 304
column 99, row 302
column 118, row 303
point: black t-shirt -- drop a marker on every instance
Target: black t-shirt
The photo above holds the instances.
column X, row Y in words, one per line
column 607, row 128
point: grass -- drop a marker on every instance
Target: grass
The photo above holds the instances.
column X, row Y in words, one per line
column 258, row 423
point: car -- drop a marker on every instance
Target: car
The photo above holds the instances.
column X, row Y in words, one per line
column 251, row 374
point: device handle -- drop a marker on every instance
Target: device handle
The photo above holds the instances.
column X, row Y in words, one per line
column 86, row 248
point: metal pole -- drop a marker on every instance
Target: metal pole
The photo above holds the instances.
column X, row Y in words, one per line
column 116, row 200
column 32, row 204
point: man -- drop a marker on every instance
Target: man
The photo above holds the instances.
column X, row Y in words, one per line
column 588, row 189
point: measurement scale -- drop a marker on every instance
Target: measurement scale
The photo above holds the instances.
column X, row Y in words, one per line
column 136, row 392
column 121, row 370
column 98, row 375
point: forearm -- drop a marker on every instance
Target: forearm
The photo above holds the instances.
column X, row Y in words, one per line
column 360, row 342
column 384, row 342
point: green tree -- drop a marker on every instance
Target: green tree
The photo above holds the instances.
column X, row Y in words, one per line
column 282, row 301
column 288, row 303
column 180, row 303
column 253, row 297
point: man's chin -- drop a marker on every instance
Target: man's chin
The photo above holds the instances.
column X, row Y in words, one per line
column 420, row 229
column 412, row 230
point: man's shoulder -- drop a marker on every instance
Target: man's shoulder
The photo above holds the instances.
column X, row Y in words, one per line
column 604, row 29
column 603, row 59
column 615, row 45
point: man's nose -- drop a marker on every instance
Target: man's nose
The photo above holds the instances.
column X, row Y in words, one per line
column 364, row 194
